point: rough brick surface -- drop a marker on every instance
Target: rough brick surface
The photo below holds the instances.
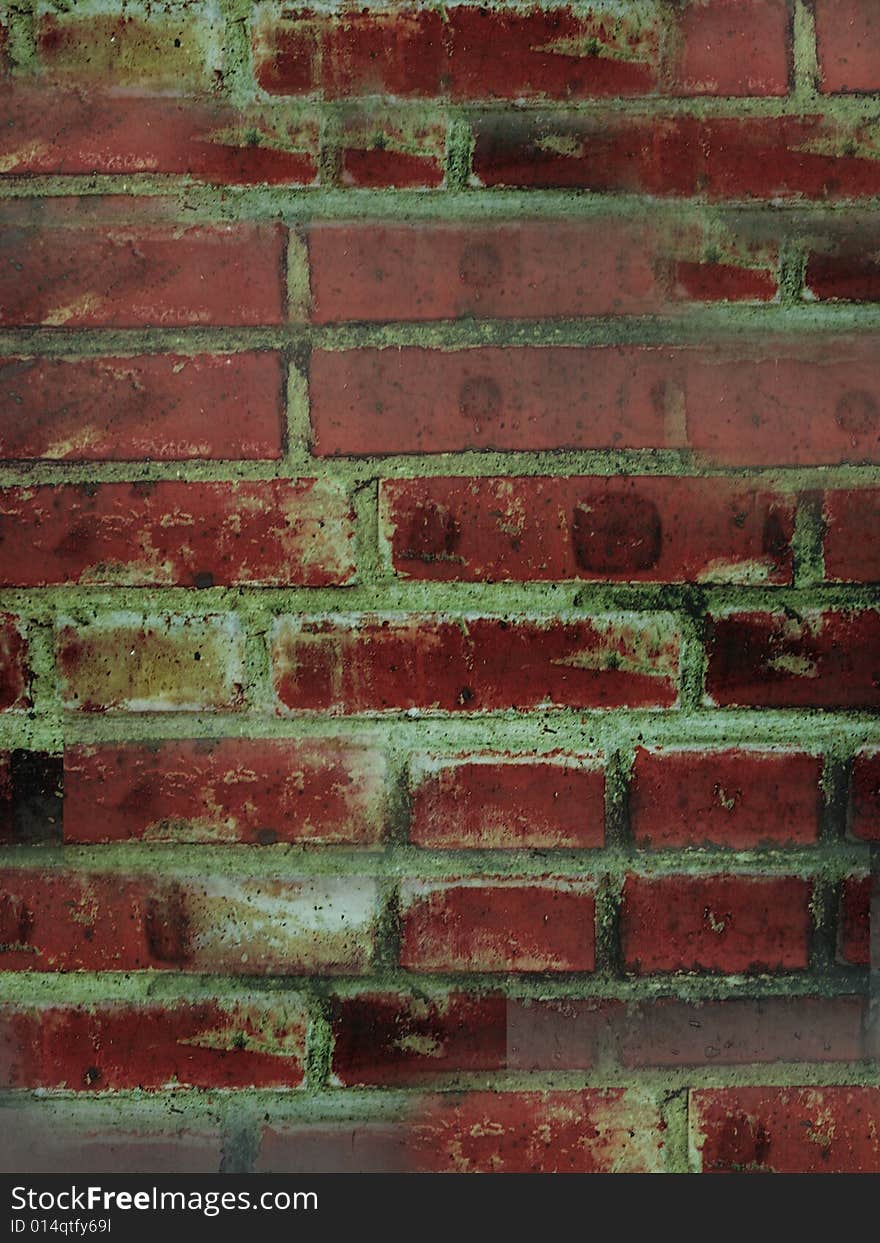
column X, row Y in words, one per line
column 226, row 790
column 627, row 530
column 786, row 1130
column 715, row 923
column 476, row 665
column 187, row 534
column 738, row 798
column 864, row 818
column 153, row 406
column 848, row 34
column 481, row 801
column 497, row 925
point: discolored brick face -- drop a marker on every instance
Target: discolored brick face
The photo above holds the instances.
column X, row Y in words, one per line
column 439, row 567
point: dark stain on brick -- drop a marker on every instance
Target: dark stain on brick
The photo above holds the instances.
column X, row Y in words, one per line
column 431, row 534
column 857, row 412
column 16, row 922
column 166, row 924
column 616, row 534
column 479, row 399
column 37, row 781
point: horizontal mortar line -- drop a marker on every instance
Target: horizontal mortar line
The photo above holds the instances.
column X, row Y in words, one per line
column 152, row 985
column 199, row 202
column 703, row 326
column 781, row 1074
column 833, row 860
column 559, row 464
column 537, row 601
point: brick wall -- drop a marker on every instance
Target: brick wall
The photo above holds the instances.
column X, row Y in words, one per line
column 439, row 537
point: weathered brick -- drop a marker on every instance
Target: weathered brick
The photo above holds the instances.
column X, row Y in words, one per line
column 56, row 920
column 825, row 1130
column 162, row 406
column 864, row 804
column 110, row 1046
column 142, row 276
column 590, row 1131
column 740, row 797
column 732, row 924
column 671, row 1033
column 809, row 660
column 178, row 51
column 393, row 1038
column 852, row 526
column 496, row 924
column 634, row 529
column 375, row 664
column 15, row 674
column 733, row 405
column 225, row 790
column 467, row 53
column 112, row 134
column 379, row 149
column 732, row 47
column 140, row 663
column 854, row 929
column 676, row 154
column 271, row 533
column 82, row 1137
column 531, row 269
column 31, row 797
column 492, row 801
column 848, row 37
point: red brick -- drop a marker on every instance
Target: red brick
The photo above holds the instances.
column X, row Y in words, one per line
column 112, row 134
column 731, row 924
column 788, row 157
column 365, row 52
column 491, row 801
column 225, row 790
column 388, row 149
column 733, row 47
column 852, row 526
column 390, row 1038
column 147, row 276
column 130, row 662
column 848, row 37
column 841, row 276
column 825, row 1130
column 533, row 269
column 632, row 529
column 475, row 664
column 167, row 407
column 86, row 1137
column 110, row 1046
column 733, row 405
column 56, row 920
column 864, row 807
column 671, row 1033
column 31, row 801
column 15, row 675
column 742, row 798
column 590, row 1131
column 179, row 53
column 810, row 660
column 465, row 53
column 854, row 934
column 269, row 533
column 495, row 924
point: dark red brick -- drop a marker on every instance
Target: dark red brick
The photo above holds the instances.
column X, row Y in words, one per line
column 166, row 407
column 731, row 924
column 493, row 801
column 864, row 810
column 497, row 925
column 848, row 37
column 825, row 659
column 371, row 664
column 852, row 535
column 820, row 1130
column 142, row 276
column 634, row 529
column 269, row 533
column 15, row 672
column 741, row 798
column 854, row 933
